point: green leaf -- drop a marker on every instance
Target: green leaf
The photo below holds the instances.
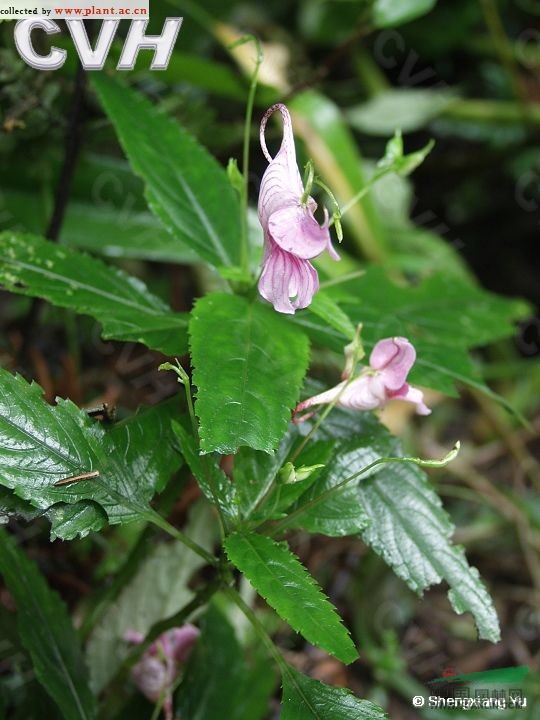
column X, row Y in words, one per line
column 47, row 633
column 287, row 586
column 215, row 485
column 249, row 363
column 341, row 514
column 397, row 512
column 30, row 265
column 158, row 590
column 106, row 230
column 411, row 531
column 59, row 442
column 67, row 521
column 307, row 699
column 185, row 187
column 325, row 307
column 390, row 13
column 407, row 109
column 78, row 520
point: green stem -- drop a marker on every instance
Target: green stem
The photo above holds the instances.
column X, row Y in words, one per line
column 282, row 524
column 322, row 417
column 364, row 191
column 504, row 49
column 266, row 639
column 359, row 353
column 160, row 522
column 258, row 627
column 183, row 379
column 244, row 250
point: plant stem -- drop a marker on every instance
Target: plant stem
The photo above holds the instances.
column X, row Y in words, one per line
column 504, row 49
column 183, row 379
column 282, row 524
column 364, row 191
column 259, row 628
column 266, row 639
column 244, row 257
column 160, row 522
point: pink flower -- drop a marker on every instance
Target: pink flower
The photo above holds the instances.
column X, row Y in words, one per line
column 385, row 379
column 292, row 235
column 157, row 671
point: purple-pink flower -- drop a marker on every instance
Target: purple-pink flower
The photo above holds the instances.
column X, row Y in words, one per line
column 292, row 235
column 384, row 379
column 157, row 671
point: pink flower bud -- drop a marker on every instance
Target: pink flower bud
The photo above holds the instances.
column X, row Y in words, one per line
column 292, row 235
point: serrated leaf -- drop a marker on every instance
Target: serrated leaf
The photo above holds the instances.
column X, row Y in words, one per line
column 78, row 520
column 185, row 187
column 248, row 366
column 46, row 632
column 30, row 265
column 67, row 521
column 41, row 444
column 277, row 574
column 308, row 699
column 412, row 532
column 215, row 485
column 397, row 512
column 159, row 589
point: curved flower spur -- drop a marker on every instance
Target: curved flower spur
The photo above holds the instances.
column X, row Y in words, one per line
column 292, row 235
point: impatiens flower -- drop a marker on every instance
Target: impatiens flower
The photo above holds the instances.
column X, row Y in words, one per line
column 157, row 671
column 292, row 235
column 385, row 379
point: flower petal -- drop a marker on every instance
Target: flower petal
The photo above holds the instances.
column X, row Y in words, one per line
column 289, row 283
column 394, row 357
column 366, row 392
column 295, row 230
column 182, row 640
column 413, row 395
